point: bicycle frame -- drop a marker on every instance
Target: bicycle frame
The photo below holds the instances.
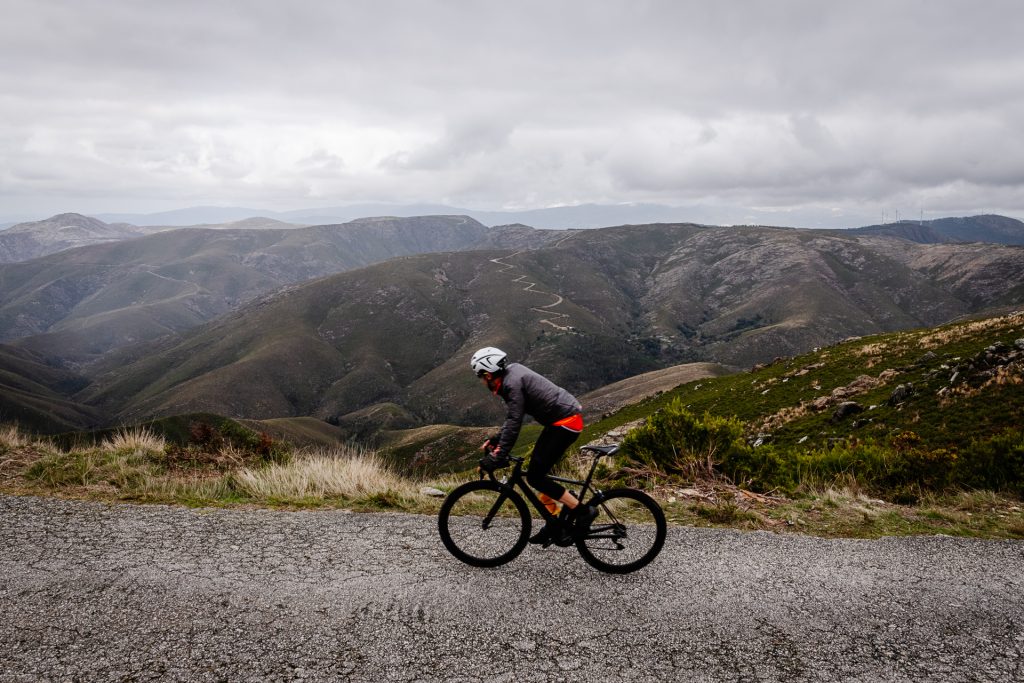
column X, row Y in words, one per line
column 516, row 479
column 596, row 538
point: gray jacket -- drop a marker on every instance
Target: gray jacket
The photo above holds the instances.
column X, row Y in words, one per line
column 527, row 393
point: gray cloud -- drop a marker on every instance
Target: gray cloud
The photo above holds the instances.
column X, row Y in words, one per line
column 799, row 105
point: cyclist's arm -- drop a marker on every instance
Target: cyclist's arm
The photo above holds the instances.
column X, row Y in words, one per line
column 516, row 403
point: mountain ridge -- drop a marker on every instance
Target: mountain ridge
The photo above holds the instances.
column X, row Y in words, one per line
column 636, row 299
column 84, row 302
column 990, row 228
column 26, row 241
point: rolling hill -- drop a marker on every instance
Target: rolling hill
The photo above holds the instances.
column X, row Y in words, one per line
column 988, row 228
column 27, row 241
column 79, row 304
column 36, row 395
column 592, row 308
column 901, row 413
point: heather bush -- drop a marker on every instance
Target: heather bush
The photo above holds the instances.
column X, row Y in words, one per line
column 676, row 441
column 996, row 463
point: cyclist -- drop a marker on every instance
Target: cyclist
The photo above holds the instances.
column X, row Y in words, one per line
column 527, row 393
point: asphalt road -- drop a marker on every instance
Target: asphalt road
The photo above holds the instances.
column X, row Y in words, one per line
column 96, row 592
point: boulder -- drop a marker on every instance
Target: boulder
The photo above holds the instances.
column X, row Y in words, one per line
column 977, row 379
column 901, row 393
column 845, row 409
column 887, row 375
column 821, row 402
column 431, row 491
column 861, row 384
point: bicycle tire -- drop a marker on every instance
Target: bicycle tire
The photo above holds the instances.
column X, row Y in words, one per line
column 628, row 532
column 461, row 524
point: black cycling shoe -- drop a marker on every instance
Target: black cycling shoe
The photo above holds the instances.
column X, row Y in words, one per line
column 559, row 536
column 582, row 517
column 543, row 535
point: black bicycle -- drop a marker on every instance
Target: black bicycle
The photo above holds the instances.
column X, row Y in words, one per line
column 486, row 523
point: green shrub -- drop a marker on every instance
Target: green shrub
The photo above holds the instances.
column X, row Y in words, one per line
column 900, row 468
column 996, row 463
column 226, row 447
column 676, row 441
column 123, row 469
column 899, row 471
column 761, row 469
column 864, row 462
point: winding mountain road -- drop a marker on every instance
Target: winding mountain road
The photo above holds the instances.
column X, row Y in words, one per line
column 115, row 592
column 546, row 309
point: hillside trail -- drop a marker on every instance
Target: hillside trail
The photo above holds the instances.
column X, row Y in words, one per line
column 531, row 287
column 196, row 289
column 146, row 268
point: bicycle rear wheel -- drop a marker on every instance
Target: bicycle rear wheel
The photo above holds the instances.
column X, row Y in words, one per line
column 484, row 525
column 627, row 534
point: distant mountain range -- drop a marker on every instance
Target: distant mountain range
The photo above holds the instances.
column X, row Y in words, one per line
column 278, row 322
column 989, row 228
column 27, row 241
column 66, row 231
column 562, row 217
column 78, row 304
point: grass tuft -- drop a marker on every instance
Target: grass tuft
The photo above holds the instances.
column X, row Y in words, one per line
column 12, row 438
column 341, row 473
column 139, row 439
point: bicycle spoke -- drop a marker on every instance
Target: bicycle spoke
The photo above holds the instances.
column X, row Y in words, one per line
column 627, row 533
column 484, row 526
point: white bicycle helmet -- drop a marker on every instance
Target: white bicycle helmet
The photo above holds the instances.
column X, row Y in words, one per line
column 488, row 359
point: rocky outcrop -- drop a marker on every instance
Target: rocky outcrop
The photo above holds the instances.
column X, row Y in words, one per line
column 845, row 409
column 27, row 241
column 1000, row 363
column 901, row 393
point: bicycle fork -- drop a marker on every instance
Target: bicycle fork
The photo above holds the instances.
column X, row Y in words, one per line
column 489, row 517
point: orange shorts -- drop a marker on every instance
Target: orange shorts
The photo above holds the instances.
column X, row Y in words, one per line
column 574, row 423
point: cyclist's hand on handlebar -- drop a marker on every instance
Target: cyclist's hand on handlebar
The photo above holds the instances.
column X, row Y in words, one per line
column 491, row 444
column 493, row 460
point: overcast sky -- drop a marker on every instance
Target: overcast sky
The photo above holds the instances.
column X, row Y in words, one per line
column 838, row 109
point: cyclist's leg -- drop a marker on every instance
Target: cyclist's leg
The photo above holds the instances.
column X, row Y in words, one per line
column 551, row 446
column 549, row 449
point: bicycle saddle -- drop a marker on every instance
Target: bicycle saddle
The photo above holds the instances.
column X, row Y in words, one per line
column 603, row 450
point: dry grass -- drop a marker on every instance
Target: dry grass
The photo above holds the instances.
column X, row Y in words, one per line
column 340, row 473
column 1004, row 375
column 12, row 438
column 874, row 349
column 953, row 334
column 784, row 416
column 139, row 439
column 124, row 470
column 15, row 454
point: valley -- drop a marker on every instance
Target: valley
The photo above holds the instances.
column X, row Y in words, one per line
column 367, row 326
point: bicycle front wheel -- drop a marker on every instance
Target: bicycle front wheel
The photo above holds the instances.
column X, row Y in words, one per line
column 627, row 534
column 483, row 524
